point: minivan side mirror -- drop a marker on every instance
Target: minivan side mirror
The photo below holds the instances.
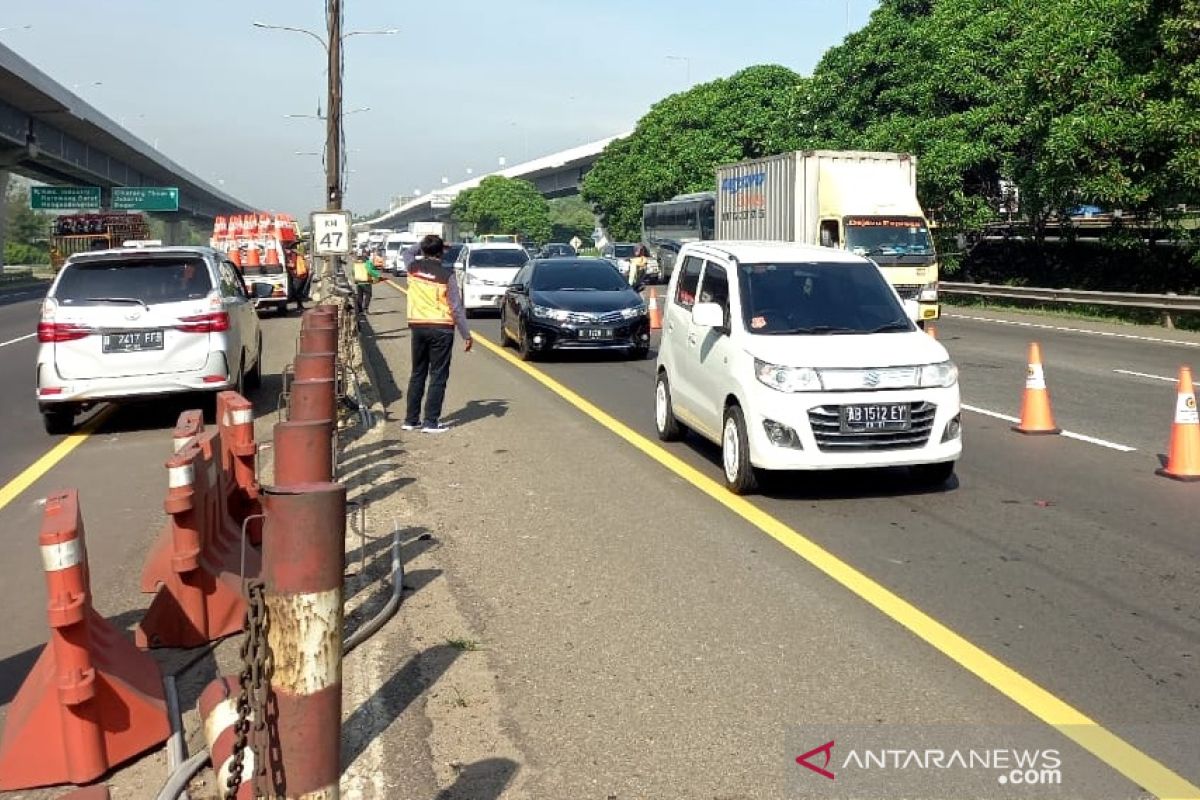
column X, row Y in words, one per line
column 261, row 290
column 708, row 315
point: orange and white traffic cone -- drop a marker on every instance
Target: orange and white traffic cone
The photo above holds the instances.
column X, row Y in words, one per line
column 1036, row 416
column 1183, row 454
column 931, row 329
column 655, row 312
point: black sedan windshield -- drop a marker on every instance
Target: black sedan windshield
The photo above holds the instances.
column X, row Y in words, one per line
column 816, row 297
column 583, row 276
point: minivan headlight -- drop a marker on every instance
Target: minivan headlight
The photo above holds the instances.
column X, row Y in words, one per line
column 787, row 379
column 942, row 375
column 545, row 312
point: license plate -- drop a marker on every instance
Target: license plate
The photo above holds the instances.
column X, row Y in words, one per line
column 596, row 333
column 132, row 341
column 882, row 417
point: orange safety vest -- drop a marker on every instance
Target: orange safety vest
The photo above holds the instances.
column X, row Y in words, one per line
column 301, row 266
column 429, row 294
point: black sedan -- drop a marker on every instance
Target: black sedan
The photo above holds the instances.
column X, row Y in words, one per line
column 573, row 304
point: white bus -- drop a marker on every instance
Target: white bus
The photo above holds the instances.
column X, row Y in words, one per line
column 669, row 225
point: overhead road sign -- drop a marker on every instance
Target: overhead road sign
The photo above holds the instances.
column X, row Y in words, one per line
column 331, row 233
column 145, row 198
column 64, row 198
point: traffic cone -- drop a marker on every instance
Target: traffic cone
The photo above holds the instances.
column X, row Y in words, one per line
column 252, row 256
column 272, row 255
column 931, row 329
column 655, row 313
column 235, row 255
column 1183, row 454
column 1036, row 416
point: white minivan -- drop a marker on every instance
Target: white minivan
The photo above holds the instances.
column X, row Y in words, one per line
column 484, row 271
column 393, row 251
column 796, row 357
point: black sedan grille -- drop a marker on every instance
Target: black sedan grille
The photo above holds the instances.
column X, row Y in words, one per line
column 594, row 318
column 826, row 423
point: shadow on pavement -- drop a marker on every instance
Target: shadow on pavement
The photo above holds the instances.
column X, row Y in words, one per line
column 840, row 484
column 390, row 700
column 483, row 780
column 388, row 390
column 476, row 410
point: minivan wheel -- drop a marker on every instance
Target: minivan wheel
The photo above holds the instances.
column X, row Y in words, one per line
column 59, row 421
column 668, row 427
column 254, row 377
column 740, row 477
column 932, row 475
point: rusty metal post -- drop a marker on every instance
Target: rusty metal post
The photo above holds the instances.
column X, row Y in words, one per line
column 313, row 400
column 303, row 563
column 303, row 452
column 318, row 338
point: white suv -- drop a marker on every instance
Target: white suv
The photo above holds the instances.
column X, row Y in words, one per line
column 145, row 321
column 484, row 271
column 795, row 357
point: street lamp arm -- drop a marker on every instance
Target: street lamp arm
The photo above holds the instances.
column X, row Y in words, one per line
column 383, row 32
column 306, row 32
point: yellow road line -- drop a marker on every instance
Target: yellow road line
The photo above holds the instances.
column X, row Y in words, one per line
column 56, row 454
column 1072, row 723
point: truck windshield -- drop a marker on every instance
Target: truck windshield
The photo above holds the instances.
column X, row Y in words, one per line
column 818, row 298
column 888, row 236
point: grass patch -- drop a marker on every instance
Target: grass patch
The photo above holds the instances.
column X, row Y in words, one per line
column 466, row 645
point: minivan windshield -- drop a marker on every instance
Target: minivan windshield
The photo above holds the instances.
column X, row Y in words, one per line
column 145, row 280
column 577, row 276
column 506, row 257
column 818, row 298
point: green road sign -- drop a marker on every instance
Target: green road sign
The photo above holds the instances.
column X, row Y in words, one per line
column 64, row 198
column 145, row 198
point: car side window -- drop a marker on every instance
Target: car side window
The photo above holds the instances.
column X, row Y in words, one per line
column 715, row 288
column 522, row 277
column 689, row 279
column 239, row 279
column 231, row 287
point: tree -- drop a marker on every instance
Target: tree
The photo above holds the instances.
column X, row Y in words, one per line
column 504, row 205
column 570, row 217
column 678, row 144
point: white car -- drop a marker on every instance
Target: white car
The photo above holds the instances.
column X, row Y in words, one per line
column 484, row 271
column 143, row 322
column 796, row 357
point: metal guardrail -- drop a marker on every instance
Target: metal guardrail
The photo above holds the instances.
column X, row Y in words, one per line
column 1155, row 302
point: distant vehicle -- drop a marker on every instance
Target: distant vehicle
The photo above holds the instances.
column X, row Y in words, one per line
column 573, row 304
column 861, row 201
column 799, row 357
column 668, row 225
column 423, row 229
column 393, row 247
column 450, row 254
column 622, row 253
column 146, row 322
column 557, row 250
column 498, row 238
column 80, row 233
column 484, row 270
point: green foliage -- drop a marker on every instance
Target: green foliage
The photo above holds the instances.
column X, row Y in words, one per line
column 570, row 217
column 28, row 254
column 678, row 144
column 504, row 205
column 25, row 226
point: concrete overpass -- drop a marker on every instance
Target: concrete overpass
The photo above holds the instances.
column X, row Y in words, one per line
column 49, row 134
column 556, row 175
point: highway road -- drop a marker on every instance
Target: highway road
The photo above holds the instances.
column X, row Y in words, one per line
column 1067, row 560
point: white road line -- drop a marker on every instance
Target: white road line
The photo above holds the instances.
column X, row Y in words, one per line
column 1122, row 448
column 1145, row 375
column 1110, row 334
column 18, row 339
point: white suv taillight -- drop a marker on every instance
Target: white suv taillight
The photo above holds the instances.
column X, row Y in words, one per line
column 213, row 322
column 62, row 331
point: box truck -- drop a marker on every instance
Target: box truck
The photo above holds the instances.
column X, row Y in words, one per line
column 865, row 202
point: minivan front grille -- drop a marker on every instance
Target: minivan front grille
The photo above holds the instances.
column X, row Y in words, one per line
column 826, row 423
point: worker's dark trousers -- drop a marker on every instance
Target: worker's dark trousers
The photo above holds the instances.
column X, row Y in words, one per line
column 431, row 350
column 364, row 297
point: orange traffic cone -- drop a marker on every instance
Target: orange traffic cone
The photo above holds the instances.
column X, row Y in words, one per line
column 272, row 255
column 1036, row 416
column 655, row 313
column 931, row 329
column 252, row 256
column 235, row 255
column 1183, row 454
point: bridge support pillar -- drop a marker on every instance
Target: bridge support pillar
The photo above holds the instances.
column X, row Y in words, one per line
column 174, row 232
column 3, row 212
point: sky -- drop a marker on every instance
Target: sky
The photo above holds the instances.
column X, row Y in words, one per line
column 463, row 83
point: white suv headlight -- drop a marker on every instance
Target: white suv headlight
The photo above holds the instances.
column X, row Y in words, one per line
column 550, row 313
column 941, row 375
column 788, row 379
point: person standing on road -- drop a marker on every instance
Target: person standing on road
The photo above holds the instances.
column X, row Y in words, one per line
column 365, row 274
column 637, row 264
column 435, row 309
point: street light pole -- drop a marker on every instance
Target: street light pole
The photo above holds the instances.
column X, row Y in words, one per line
column 333, row 109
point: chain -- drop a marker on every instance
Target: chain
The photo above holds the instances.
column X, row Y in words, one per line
column 252, row 685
